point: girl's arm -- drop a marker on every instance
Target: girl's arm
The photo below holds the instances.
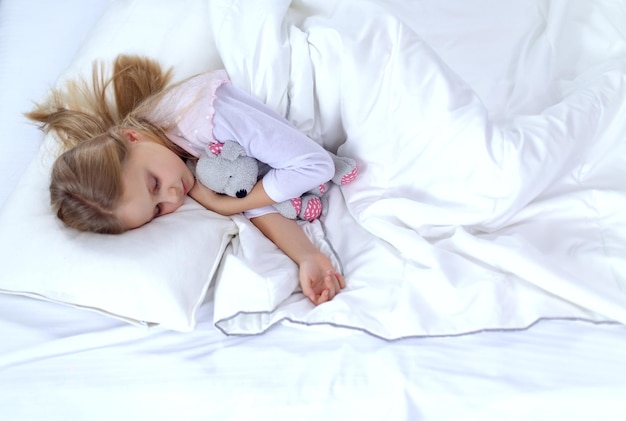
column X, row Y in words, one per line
column 319, row 280
column 226, row 205
column 296, row 162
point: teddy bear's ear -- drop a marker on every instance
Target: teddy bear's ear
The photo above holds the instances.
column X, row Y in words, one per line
column 232, row 150
column 216, row 148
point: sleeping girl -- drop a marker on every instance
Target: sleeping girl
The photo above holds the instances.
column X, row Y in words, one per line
column 126, row 139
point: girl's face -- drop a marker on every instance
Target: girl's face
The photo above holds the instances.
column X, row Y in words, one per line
column 155, row 181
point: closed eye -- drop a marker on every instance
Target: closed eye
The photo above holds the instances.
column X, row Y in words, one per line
column 156, row 185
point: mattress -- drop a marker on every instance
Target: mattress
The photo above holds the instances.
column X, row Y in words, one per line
column 458, row 306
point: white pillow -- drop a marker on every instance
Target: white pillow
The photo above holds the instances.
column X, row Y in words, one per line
column 158, row 274
column 176, row 33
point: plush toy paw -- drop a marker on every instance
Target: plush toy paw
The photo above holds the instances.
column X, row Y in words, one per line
column 320, row 190
column 346, row 170
column 350, row 177
column 311, row 207
column 289, row 208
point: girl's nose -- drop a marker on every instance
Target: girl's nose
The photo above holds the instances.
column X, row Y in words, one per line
column 171, row 195
column 170, row 200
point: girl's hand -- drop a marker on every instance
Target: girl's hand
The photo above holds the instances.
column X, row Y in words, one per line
column 319, row 280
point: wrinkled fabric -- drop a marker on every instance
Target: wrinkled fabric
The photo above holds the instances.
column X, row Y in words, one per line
column 475, row 209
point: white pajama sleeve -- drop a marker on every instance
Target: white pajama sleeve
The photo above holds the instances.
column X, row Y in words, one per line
column 297, row 163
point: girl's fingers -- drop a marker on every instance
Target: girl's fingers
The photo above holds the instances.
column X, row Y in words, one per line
column 335, row 280
column 332, row 286
column 324, row 296
column 340, row 278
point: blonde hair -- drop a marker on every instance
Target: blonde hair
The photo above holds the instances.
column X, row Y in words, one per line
column 88, row 119
column 86, row 183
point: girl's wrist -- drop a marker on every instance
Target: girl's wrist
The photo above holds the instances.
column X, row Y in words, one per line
column 313, row 256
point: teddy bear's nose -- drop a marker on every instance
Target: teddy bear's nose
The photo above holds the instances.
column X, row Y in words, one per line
column 241, row 194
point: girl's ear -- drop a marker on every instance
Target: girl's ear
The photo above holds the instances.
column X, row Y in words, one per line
column 131, row 135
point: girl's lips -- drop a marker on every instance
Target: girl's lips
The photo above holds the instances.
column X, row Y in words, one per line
column 187, row 187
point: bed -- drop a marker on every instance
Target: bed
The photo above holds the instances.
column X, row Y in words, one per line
column 483, row 243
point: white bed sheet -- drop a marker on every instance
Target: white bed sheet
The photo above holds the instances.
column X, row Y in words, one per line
column 60, row 363
column 63, row 363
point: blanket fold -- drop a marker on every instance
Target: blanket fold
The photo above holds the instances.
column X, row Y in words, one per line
column 458, row 222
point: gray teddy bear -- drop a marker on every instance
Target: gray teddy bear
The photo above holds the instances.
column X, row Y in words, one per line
column 225, row 168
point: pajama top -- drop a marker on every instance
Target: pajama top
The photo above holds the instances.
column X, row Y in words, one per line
column 208, row 108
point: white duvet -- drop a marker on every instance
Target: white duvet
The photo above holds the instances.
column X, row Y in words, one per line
column 492, row 180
